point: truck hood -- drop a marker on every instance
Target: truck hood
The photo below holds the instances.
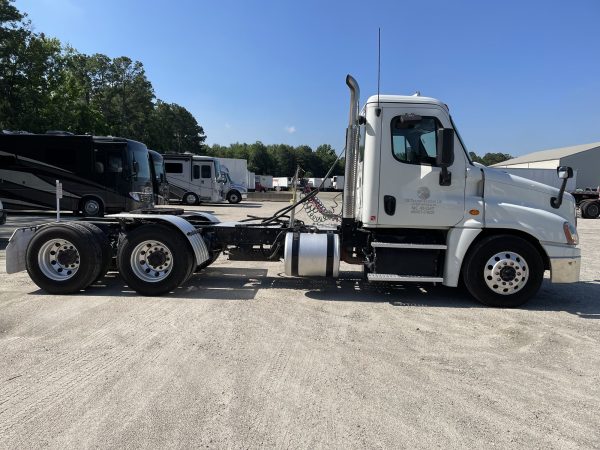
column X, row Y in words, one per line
column 503, row 187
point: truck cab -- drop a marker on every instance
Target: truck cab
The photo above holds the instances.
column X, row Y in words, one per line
column 427, row 212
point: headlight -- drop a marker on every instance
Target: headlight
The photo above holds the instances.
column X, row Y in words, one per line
column 571, row 233
column 135, row 196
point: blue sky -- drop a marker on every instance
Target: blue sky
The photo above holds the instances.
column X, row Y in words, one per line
column 518, row 76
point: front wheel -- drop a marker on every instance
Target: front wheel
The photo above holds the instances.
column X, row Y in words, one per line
column 154, row 259
column 503, row 271
column 234, row 197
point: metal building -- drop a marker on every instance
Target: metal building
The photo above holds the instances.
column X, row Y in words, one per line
column 585, row 159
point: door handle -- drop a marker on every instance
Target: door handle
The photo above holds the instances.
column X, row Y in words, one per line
column 389, row 204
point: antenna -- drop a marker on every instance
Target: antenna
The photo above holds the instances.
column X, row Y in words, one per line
column 378, row 112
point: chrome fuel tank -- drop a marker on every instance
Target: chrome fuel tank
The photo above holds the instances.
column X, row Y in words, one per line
column 312, row 254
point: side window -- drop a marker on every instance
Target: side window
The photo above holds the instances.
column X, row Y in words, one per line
column 206, row 172
column 173, row 167
column 196, row 171
column 414, row 142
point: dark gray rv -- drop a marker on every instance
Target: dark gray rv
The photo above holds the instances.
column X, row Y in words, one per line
column 98, row 174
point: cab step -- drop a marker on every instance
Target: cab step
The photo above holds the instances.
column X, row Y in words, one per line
column 409, row 246
column 393, row 278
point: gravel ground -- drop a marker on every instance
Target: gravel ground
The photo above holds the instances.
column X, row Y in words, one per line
column 244, row 357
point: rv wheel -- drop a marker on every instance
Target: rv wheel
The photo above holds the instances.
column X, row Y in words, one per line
column 190, row 199
column 154, row 259
column 63, row 258
column 92, row 207
column 503, row 271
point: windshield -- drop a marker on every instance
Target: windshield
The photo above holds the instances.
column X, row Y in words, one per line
column 159, row 167
column 139, row 153
column 461, row 141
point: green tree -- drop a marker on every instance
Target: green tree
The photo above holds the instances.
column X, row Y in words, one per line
column 174, row 129
column 490, row 158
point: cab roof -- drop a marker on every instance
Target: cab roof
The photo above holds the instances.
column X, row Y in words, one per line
column 406, row 99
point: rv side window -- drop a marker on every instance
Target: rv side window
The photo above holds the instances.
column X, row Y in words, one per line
column 196, row 172
column 65, row 158
column 206, row 172
column 414, row 142
column 174, row 167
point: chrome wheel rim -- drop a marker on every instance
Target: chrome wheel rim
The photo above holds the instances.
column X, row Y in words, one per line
column 58, row 259
column 151, row 261
column 506, row 273
column 190, row 199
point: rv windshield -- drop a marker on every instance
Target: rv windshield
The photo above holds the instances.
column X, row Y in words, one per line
column 217, row 167
column 139, row 161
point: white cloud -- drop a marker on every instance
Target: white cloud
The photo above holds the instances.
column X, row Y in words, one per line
column 290, row 129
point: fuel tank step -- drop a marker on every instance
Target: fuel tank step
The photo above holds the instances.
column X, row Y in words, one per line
column 409, row 246
column 392, row 278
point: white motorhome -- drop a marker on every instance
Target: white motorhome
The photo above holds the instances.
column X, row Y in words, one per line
column 194, row 179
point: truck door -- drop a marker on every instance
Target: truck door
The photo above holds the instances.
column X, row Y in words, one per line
column 410, row 193
column 202, row 175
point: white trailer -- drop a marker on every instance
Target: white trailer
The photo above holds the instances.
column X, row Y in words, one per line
column 251, row 181
column 338, row 182
column 264, row 183
column 282, row 183
column 415, row 210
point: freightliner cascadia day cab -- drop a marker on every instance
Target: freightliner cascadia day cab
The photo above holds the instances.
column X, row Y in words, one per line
column 98, row 174
column 415, row 209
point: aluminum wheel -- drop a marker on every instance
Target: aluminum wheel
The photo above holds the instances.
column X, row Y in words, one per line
column 58, row 259
column 506, row 273
column 151, row 261
column 91, row 207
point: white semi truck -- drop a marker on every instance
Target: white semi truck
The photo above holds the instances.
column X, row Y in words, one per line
column 415, row 210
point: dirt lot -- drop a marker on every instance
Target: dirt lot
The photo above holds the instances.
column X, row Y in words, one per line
column 243, row 357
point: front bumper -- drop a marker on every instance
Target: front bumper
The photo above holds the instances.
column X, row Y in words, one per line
column 565, row 262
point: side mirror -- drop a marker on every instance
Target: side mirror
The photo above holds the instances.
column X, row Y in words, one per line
column 136, row 167
column 445, row 147
column 445, row 154
column 564, row 172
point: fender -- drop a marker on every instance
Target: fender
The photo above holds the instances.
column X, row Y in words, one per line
column 188, row 230
column 459, row 241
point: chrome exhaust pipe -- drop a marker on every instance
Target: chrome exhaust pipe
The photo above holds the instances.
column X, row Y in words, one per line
column 352, row 138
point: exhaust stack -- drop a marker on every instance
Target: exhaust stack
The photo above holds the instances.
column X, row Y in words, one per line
column 352, row 139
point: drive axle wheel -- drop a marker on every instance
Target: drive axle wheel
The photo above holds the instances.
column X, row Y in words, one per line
column 63, row 258
column 154, row 259
column 503, row 271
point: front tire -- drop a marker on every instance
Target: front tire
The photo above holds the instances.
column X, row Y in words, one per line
column 154, row 259
column 234, row 197
column 503, row 271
